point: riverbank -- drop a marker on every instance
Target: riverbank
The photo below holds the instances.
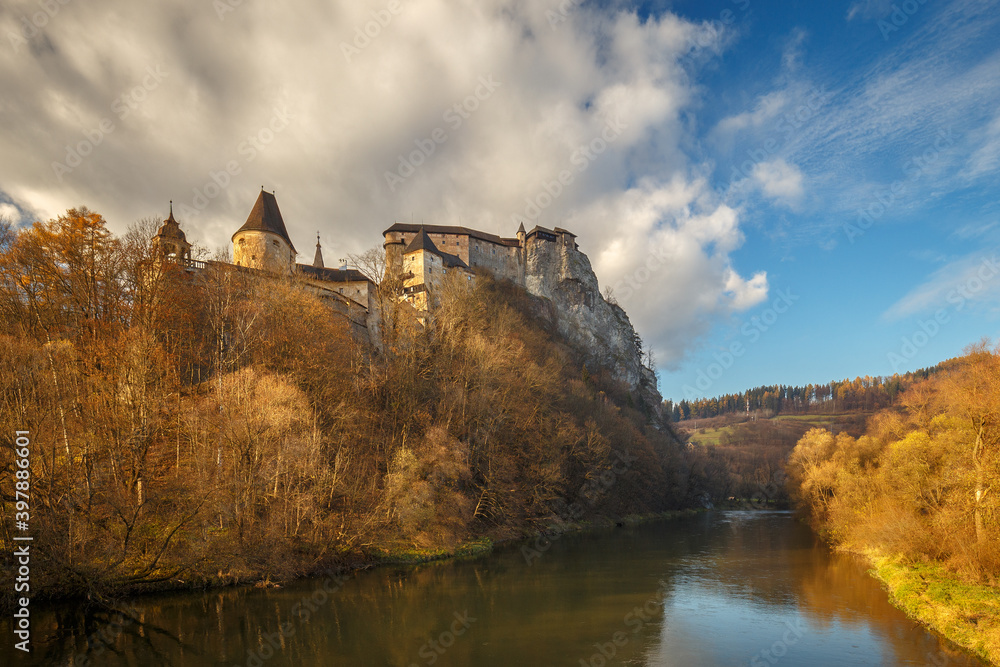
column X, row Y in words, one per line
column 484, row 545
column 359, row 561
column 966, row 614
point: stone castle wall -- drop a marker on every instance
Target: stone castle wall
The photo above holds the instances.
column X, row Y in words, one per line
column 262, row 250
column 555, row 270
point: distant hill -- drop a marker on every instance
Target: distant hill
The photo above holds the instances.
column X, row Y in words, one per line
column 863, row 394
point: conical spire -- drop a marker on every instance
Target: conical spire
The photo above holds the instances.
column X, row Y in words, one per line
column 318, row 260
column 421, row 242
column 265, row 217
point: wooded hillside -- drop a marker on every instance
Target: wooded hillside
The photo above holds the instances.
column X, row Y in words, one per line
column 218, row 425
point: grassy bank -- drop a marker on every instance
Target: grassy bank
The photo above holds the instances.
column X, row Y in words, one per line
column 967, row 614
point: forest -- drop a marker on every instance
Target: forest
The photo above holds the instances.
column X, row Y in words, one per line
column 194, row 428
column 921, row 480
column 917, row 495
column 862, row 394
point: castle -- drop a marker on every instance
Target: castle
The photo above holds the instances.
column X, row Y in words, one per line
column 547, row 263
column 421, row 255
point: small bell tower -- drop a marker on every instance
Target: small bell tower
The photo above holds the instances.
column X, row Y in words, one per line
column 170, row 239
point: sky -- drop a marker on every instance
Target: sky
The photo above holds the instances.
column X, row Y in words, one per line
column 777, row 192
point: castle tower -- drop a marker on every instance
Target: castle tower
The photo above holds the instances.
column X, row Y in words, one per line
column 394, row 246
column 262, row 242
column 170, row 239
column 520, row 235
column 318, row 259
column 420, row 259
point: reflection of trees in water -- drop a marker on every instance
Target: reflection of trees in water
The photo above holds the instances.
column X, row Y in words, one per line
column 575, row 595
column 103, row 636
column 785, row 563
column 836, row 589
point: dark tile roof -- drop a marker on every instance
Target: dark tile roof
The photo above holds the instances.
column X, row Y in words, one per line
column 555, row 232
column 265, row 217
column 447, row 229
column 333, row 275
column 452, row 261
column 422, row 242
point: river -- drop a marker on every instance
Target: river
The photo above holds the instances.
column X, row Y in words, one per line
column 719, row 588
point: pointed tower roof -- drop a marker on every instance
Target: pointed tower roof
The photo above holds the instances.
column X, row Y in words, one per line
column 422, row 242
column 520, row 230
column 171, row 228
column 266, row 217
column 318, row 259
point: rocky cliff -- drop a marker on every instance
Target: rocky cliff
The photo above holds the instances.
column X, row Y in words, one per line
column 563, row 274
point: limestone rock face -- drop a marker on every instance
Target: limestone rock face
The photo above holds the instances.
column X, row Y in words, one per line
column 562, row 274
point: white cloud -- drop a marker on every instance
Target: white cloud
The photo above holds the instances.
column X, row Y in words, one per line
column 986, row 158
column 779, row 180
column 869, row 9
column 187, row 94
column 668, row 261
column 970, row 282
column 852, row 132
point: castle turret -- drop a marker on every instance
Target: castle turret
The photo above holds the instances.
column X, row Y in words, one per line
column 262, row 242
column 521, row 235
column 394, row 246
column 170, row 239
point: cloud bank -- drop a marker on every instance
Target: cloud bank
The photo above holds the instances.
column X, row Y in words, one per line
column 358, row 114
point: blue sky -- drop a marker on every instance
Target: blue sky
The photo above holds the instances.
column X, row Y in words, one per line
column 812, row 182
column 889, row 89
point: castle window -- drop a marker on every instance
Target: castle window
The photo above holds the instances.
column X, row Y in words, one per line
column 275, row 243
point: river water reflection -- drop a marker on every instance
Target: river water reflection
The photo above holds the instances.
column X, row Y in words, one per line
column 722, row 588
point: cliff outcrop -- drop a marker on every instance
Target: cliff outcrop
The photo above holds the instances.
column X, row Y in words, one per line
column 562, row 274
